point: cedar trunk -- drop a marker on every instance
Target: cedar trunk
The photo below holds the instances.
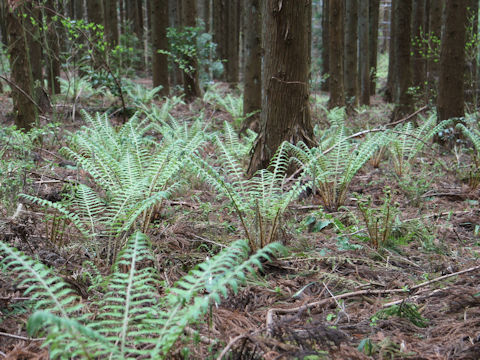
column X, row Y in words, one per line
column 450, row 102
column 351, row 50
column 285, row 107
column 335, row 53
column 160, row 42
column 364, row 63
column 252, row 95
column 232, row 70
column 325, row 45
column 373, row 13
column 403, row 71
column 433, row 61
column 21, row 74
column 390, row 88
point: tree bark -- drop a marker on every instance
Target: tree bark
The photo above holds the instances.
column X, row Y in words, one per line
column 220, row 31
column 232, row 70
column 450, row 102
column 373, row 13
column 364, row 63
column 472, row 53
column 351, row 50
column 21, row 74
column 335, row 51
column 390, row 88
column 111, row 12
column 252, row 94
column 160, row 42
column 191, row 83
column 403, row 70
column 285, row 108
column 325, row 45
column 433, row 61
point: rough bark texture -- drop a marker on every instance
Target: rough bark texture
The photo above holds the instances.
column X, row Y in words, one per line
column 32, row 23
column 20, row 72
column 232, row 66
column 53, row 63
column 191, row 85
column 351, row 50
column 285, row 107
column 112, row 24
column 325, row 44
column 335, row 53
column 160, row 42
column 403, row 71
column 364, row 63
column 95, row 12
column 252, row 95
column 219, row 18
column 373, row 13
column 3, row 24
column 450, row 102
column 390, row 88
column 207, row 14
column 419, row 63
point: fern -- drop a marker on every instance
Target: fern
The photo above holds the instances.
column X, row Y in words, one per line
column 132, row 174
column 259, row 202
column 332, row 170
column 131, row 319
column 407, row 141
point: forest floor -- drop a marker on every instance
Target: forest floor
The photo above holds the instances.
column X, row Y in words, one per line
column 328, row 298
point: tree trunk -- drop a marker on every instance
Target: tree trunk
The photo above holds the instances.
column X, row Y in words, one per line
column 3, row 24
column 33, row 23
column 450, row 102
column 403, row 70
column 160, row 42
column 285, row 108
column 252, row 95
column 351, row 50
column 233, row 46
column 191, row 83
column 373, row 13
column 335, row 51
column 325, row 45
column 95, row 14
column 364, row 63
column 21, row 74
column 220, row 31
column 79, row 9
column 112, row 23
column 207, row 14
column 419, row 64
column 390, row 88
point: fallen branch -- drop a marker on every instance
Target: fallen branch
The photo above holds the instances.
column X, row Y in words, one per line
column 21, row 337
column 235, row 339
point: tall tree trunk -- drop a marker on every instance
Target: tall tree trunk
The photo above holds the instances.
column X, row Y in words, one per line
column 373, row 13
column 79, row 9
column 33, row 23
column 335, row 53
column 252, row 94
column 175, row 21
column 111, row 12
column 364, row 63
column 95, row 14
column 390, row 88
column 450, row 101
column 285, row 107
column 220, row 31
column 351, row 50
column 403, row 70
column 325, row 44
column 21, row 74
column 207, row 14
column 53, row 55
column 160, row 42
column 3, row 23
column 191, row 84
column 419, row 64
column 233, row 46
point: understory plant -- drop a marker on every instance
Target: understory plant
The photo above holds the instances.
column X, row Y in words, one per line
column 128, row 318
column 473, row 135
column 406, row 141
column 259, row 202
column 331, row 170
column 131, row 173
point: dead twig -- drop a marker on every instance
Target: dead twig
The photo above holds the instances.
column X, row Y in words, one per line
column 20, row 337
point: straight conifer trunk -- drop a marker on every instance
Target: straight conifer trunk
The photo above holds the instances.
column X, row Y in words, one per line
column 351, row 50
column 160, row 42
column 450, row 102
column 335, row 53
column 285, row 100
column 364, row 63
